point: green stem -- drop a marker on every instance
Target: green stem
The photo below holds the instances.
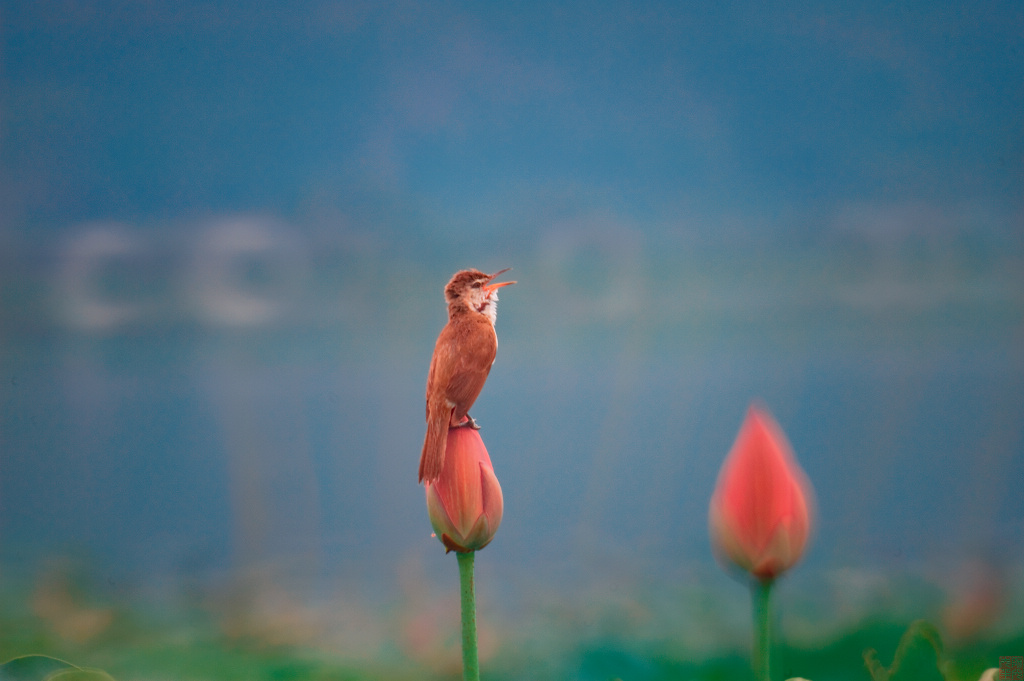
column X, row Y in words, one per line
column 762, row 629
column 470, row 663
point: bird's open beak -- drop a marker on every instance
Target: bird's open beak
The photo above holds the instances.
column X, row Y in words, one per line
column 491, row 288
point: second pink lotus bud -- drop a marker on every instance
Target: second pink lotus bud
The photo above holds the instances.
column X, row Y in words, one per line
column 761, row 511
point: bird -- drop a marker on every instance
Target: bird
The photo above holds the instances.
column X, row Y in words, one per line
column 462, row 359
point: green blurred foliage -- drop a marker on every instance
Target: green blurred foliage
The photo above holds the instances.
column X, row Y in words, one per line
column 192, row 641
column 919, row 655
column 45, row 668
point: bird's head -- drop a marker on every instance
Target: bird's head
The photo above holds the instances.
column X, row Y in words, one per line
column 475, row 290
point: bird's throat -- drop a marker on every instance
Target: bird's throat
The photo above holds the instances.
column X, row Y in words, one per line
column 489, row 308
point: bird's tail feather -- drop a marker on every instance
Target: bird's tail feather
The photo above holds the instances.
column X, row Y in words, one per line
column 432, row 458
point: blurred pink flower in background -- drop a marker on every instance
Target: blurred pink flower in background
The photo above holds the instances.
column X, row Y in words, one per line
column 761, row 510
column 465, row 502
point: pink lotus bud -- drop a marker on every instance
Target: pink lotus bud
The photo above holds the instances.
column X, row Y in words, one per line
column 465, row 502
column 760, row 515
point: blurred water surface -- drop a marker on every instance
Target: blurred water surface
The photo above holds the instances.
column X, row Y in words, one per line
column 224, row 234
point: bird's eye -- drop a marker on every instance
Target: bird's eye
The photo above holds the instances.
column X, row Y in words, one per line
column 477, row 284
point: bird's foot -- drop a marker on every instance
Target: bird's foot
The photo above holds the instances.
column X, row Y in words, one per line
column 468, row 422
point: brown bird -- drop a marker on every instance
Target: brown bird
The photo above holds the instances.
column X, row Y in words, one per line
column 462, row 359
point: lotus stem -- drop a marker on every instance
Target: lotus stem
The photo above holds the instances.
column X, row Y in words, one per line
column 762, row 590
column 470, row 661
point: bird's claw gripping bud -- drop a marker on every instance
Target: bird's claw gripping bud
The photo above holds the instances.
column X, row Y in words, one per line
column 468, row 422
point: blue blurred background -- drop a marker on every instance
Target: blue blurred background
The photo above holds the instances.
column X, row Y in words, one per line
column 225, row 228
